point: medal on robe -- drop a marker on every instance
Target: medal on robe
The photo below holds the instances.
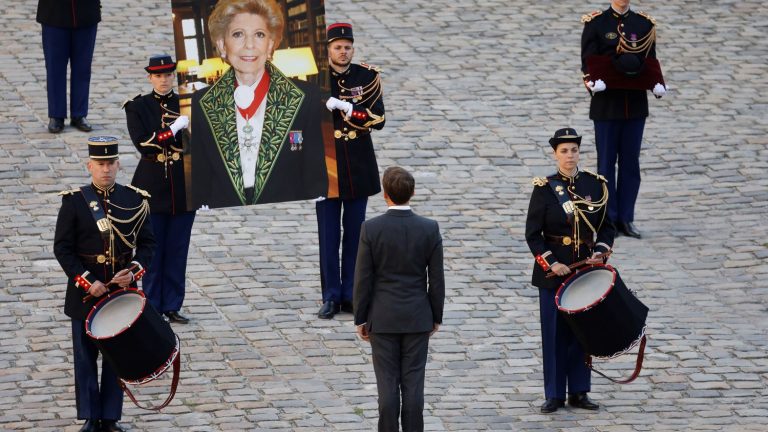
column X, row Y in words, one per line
column 296, row 138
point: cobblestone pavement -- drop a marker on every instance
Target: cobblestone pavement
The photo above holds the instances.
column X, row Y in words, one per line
column 473, row 89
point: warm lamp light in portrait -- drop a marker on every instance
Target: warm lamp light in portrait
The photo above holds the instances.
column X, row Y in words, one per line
column 295, row 62
column 212, row 69
column 186, row 67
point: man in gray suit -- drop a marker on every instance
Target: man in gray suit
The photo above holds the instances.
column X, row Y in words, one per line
column 398, row 300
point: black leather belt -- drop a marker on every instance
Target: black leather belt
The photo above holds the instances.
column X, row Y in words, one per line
column 161, row 158
column 567, row 240
column 121, row 260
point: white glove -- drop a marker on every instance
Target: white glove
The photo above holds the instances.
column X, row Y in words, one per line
column 340, row 105
column 331, row 103
column 596, row 86
column 318, row 199
column 659, row 90
column 179, row 124
column 203, row 209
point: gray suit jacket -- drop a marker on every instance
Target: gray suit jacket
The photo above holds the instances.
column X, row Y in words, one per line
column 399, row 283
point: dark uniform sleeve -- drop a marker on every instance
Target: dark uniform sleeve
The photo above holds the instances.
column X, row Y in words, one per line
column 363, row 288
column 534, row 228
column 65, row 245
column 436, row 278
column 588, row 47
column 145, row 248
column 605, row 235
column 146, row 140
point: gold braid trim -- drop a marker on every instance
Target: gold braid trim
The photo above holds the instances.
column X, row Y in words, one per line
column 636, row 47
column 648, row 17
column 580, row 213
column 148, row 143
column 139, row 218
column 590, row 16
column 375, row 119
column 371, row 90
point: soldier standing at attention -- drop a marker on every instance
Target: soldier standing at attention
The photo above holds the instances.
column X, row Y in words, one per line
column 621, row 44
column 566, row 223
column 358, row 107
column 155, row 126
column 102, row 235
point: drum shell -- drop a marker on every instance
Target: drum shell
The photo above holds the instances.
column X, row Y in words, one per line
column 612, row 324
column 139, row 350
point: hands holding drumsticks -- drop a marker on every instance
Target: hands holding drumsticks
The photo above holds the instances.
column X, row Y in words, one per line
column 559, row 269
column 123, row 278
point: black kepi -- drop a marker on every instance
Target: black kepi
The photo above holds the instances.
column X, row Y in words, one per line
column 160, row 63
column 103, row 147
column 565, row 135
column 339, row 31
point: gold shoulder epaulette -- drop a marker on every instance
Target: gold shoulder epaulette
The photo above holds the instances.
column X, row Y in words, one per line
column 69, row 192
column 648, row 17
column 127, row 101
column 590, row 16
column 596, row 175
column 141, row 192
column 370, row 67
column 539, row 181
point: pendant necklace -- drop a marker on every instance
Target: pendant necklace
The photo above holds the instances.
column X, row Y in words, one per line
column 259, row 93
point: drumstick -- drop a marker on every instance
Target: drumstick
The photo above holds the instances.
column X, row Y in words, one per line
column 552, row 274
column 88, row 297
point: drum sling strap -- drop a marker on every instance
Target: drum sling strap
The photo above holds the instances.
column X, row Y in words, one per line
column 93, row 202
column 559, row 188
column 174, row 385
column 635, row 374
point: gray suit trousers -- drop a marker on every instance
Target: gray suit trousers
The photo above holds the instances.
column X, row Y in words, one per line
column 399, row 360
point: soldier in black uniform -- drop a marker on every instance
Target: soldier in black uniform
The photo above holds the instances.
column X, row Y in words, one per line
column 69, row 37
column 358, row 108
column 567, row 222
column 102, row 235
column 627, row 41
column 155, row 126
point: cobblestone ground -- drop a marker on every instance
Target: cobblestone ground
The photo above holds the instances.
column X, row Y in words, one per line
column 473, row 89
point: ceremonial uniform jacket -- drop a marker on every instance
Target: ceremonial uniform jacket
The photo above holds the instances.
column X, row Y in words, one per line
column 86, row 256
column 358, row 172
column 69, row 13
column 161, row 168
column 601, row 34
column 291, row 161
column 554, row 236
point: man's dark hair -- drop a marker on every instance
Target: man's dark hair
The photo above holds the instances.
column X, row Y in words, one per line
column 398, row 184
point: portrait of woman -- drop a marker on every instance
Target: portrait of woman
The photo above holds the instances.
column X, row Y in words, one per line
column 256, row 134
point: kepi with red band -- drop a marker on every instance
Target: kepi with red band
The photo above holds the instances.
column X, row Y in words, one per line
column 160, row 63
column 339, row 31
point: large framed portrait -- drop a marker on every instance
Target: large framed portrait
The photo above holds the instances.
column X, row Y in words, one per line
column 293, row 156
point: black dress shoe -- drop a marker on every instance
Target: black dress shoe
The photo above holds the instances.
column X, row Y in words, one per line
column 176, row 317
column 328, row 310
column 81, row 123
column 552, row 405
column 580, row 400
column 55, row 125
column 90, row 426
column 628, row 229
column 111, row 426
column 346, row 306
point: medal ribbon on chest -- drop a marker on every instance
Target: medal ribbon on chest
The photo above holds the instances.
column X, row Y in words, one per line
column 252, row 101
